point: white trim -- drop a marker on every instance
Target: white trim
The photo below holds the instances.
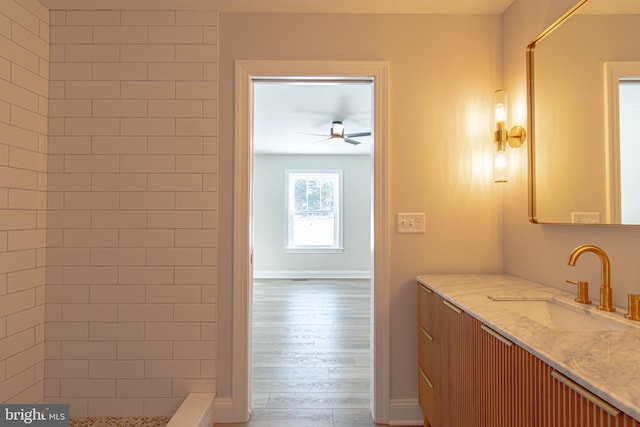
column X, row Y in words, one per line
column 291, row 274
column 613, row 72
column 245, row 72
column 405, row 412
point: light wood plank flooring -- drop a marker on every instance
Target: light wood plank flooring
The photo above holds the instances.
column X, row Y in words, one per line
column 311, row 353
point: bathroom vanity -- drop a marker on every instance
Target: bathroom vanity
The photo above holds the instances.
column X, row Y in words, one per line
column 497, row 350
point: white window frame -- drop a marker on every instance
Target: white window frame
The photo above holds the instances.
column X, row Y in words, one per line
column 337, row 247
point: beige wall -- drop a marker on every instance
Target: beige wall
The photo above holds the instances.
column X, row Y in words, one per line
column 132, row 220
column 443, row 71
column 539, row 252
column 24, row 69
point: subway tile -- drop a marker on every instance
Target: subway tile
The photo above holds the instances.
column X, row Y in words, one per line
column 54, row 238
column 119, row 219
column 170, row 331
column 29, row 79
column 27, row 159
column 210, row 256
column 16, row 343
column 145, row 275
column 81, row 350
column 28, row 120
column 175, row 71
column 196, row 53
column 148, row 90
column 119, row 108
column 210, row 34
column 69, row 182
column 63, row 369
column 67, row 331
column 196, row 127
column 210, row 72
column 174, row 256
column 147, row 200
column 114, row 331
column 196, row 275
column 147, row 312
column 105, row 407
column 68, row 219
column 144, row 387
column 92, row 17
column 208, row 368
column 118, row 256
column 92, row 90
column 175, row 108
column 161, row 406
column 119, row 182
column 26, row 319
column 70, row 144
column 21, row 381
column 120, row 71
column 20, row 15
column 5, row 26
column 18, row 301
column 26, row 199
column 71, row 35
column 17, row 281
column 17, row 137
column 57, row 53
column 30, row 40
column 148, row 18
column 209, row 331
column 83, row 238
column 175, row 145
column 148, row 163
column 19, row 96
column 175, row 182
column 174, row 219
column 73, row 387
column 117, row 293
column 210, row 219
column 57, row 17
column 172, row 369
column 119, row 145
column 182, row 387
column 68, row 256
column 92, row 126
column 5, row 69
column 194, row 350
column 78, row 406
column 90, row 163
column 198, row 18
column 174, row 294
column 147, row 350
column 153, row 54
column 197, row 200
column 17, row 54
column 116, row 369
column 17, row 260
column 146, row 238
column 122, row 35
column 194, row 312
column 89, row 312
column 53, row 312
column 175, row 35
column 68, row 294
column 69, row 108
column 17, row 219
column 196, row 164
column 90, row 275
column 148, row 126
column 210, row 108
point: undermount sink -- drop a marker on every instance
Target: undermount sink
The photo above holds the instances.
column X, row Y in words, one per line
column 561, row 316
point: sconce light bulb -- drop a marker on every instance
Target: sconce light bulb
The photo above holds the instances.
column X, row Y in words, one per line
column 500, row 164
column 501, row 113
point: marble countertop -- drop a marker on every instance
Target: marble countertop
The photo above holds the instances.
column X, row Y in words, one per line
column 605, row 362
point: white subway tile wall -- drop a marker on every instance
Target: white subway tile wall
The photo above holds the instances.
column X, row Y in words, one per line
column 132, row 207
column 24, row 73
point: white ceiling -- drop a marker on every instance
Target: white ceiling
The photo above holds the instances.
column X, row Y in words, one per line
column 325, row 6
column 286, row 112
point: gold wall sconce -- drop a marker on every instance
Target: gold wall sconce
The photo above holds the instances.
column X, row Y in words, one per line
column 502, row 136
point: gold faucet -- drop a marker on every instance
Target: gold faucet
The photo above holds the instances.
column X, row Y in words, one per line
column 606, row 303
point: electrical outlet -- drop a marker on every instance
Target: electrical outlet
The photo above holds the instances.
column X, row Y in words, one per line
column 410, row 222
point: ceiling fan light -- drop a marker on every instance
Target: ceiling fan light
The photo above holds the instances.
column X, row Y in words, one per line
column 337, row 129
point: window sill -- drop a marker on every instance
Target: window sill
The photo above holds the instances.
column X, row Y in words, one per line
column 313, row 250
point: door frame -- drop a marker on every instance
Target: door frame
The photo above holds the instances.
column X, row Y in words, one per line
column 245, row 72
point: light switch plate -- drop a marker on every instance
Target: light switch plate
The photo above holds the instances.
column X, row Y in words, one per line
column 412, row 222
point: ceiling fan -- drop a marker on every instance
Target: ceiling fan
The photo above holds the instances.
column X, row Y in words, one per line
column 337, row 134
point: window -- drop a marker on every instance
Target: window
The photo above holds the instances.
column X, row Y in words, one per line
column 314, row 200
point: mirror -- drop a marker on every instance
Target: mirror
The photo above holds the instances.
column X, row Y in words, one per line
column 583, row 75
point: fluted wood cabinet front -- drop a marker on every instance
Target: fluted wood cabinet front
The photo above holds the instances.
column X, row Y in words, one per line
column 470, row 375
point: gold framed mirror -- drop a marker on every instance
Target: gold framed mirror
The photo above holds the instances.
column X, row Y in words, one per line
column 583, row 88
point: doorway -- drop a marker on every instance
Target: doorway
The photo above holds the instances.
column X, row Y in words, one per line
column 246, row 73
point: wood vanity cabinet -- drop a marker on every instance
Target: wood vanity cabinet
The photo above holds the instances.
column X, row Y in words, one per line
column 470, row 375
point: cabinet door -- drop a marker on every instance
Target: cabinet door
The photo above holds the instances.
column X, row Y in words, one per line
column 507, row 382
column 459, row 389
column 564, row 403
column 429, row 355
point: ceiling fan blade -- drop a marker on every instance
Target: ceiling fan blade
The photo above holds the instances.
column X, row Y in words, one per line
column 352, row 141
column 355, row 135
column 314, row 134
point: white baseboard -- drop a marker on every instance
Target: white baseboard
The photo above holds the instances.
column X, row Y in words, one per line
column 405, row 412
column 355, row 274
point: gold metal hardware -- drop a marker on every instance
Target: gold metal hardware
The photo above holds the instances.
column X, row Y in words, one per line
column 451, row 306
column 496, row 335
column 426, row 379
column 634, row 307
column 606, row 299
column 586, row 394
column 583, row 291
column 426, row 334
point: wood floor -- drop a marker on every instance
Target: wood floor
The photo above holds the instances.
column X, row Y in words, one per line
column 311, row 353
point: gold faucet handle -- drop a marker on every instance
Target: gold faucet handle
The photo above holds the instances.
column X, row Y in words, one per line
column 634, row 307
column 583, row 291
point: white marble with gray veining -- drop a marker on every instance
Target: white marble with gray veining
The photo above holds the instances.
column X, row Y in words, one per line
column 607, row 363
